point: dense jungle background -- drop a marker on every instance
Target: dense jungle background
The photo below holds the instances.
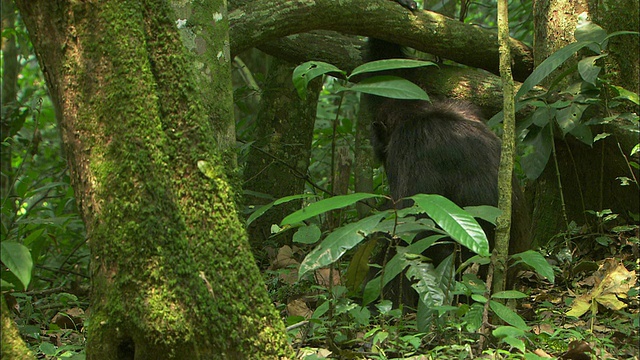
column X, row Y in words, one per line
column 177, row 187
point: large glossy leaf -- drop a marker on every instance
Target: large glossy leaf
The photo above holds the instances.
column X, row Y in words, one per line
column 17, row 258
column 588, row 31
column 389, row 64
column 337, row 243
column 325, row 205
column 461, row 226
column 392, row 87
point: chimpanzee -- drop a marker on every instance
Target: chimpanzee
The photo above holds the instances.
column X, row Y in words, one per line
column 444, row 148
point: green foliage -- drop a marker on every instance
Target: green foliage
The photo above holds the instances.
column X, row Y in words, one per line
column 564, row 108
column 388, row 86
column 43, row 238
column 17, row 258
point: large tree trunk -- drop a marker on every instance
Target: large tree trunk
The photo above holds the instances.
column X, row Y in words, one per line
column 173, row 276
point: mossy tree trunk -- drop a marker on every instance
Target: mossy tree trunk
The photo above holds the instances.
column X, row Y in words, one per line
column 173, row 275
column 13, row 347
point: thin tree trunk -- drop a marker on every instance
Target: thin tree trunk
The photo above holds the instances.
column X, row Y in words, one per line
column 507, row 154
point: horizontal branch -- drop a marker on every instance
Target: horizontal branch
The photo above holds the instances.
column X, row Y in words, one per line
column 254, row 23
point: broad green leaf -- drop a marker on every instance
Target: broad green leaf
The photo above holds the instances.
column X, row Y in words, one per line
column 325, row 205
column 473, row 317
column 425, row 282
column 549, row 65
column 47, row 348
column 588, row 31
column 337, row 243
column 588, row 69
column 395, row 266
column 543, row 115
column 534, row 162
column 17, row 258
column 293, row 197
column 304, row 73
column 618, row 33
column 446, row 273
column 389, row 64
column 259, row 212
column 407, row 228
column 569, row 117
column 361, row 315
column 515, row 343
column 502, row 331
column 508, row 315
column 309, row 234
column 392, row 87
column 461, row 226
column 538, row 263
column 320, row 310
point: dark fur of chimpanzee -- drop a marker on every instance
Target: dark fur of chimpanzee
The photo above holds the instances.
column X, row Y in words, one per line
column 441, row 148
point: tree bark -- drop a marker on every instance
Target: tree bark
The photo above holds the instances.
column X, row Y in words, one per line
column 13, row 347
column 278, row 160
column 507, row 155
column 172, row 272
column 208, row 42
column 422, row 30
column 10, row 71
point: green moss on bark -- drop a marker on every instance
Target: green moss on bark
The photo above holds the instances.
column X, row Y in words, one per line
column 173, row 276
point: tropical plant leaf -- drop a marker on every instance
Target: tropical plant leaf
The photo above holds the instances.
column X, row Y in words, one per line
column 337, row 243
column 390, row 64
column 392, row 87
column 538, row 263
column 305, row 72
column 322, row 206
column 17, row 258
column 461, row 226
column 508, row 315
